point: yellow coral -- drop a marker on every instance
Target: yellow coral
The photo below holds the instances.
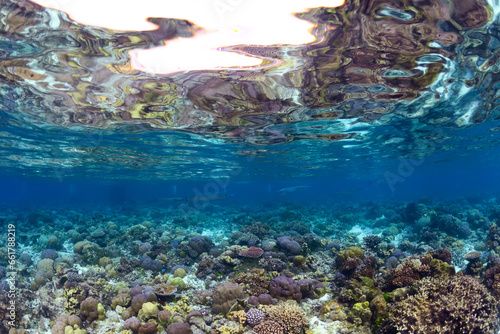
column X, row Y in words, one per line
column 148, row 310
column 239, row 316
column 330, row 307
column 181, row 306
column 101, row 311
column 228, row 330
column 355, row 252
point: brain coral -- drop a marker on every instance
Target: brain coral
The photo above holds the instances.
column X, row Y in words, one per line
column 444, row 305
column 225, row 295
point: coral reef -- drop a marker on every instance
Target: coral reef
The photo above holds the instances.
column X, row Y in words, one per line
column 284, row 288
column 444, row 305
column 225, row 295
column 371, row 268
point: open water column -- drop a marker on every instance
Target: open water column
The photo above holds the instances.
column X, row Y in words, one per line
column 249, row 167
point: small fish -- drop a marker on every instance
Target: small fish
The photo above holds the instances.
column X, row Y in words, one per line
column 290, row 189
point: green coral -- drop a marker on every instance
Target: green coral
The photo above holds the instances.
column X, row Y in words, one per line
column 180, row 272
column 177, row 281
column 355, row 252
column 138, row 232
column 441, row 268
column 120, row 286
column 91, row 253
column 361, row 313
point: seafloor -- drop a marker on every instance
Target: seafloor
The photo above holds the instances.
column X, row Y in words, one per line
column 420, row 267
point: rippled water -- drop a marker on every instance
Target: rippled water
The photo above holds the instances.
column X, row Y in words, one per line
column 384, row 79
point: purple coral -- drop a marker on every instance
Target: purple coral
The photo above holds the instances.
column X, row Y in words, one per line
column 25, row 259
column 283, row 287
column 133, row 324
column 290, row 245
column 147, row 328
column 179, row 328
column 138, row 301
column 254, row 316
column 136, row 290
column 311, row 288
column 150, row 264
column 144, row 248
column 49, row 254
column 200, row 244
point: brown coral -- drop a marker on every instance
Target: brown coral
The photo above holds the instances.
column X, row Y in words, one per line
column 444, row 304
column 493, row 239
column 268, row 327
column 165, row 289
column 289, row 316
column 355, row 267
column 442, row 254
column 410, row 271
column 257, row 228
column 225, row 295
column 492, row 277
column 252, row 252
column 255, row 282
column 205, row 267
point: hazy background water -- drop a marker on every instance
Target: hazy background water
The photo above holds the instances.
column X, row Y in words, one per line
column 364, row 113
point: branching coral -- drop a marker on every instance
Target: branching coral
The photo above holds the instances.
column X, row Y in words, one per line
column 255, row 282
column 418, row 267
column 444, row 305
column 289, row 316
column 268, row 327
column 492, row 277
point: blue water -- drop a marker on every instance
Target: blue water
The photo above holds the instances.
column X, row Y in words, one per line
column 387, row 125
